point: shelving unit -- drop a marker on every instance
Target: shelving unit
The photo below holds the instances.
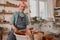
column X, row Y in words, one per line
column 4, row 12
column 57, row 12
column 9, row 12
column 4, row 22
column 8, row 4
column 56, row 8
column 22, row 0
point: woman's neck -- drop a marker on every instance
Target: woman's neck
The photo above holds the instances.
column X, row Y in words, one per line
column 21, row 11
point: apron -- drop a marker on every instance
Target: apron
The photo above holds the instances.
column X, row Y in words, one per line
column 20, row 24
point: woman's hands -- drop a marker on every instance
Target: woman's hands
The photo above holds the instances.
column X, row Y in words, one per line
column 22, row 32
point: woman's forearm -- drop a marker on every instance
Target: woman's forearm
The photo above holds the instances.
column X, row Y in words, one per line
column 18, row 31
column 14, row 28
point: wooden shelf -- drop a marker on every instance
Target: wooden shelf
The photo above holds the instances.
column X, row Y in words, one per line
column 4, row 12
column 8, row 4
column 57, row 16
column 22, row 0
column 4, row 22
column 56, row 8
column 58, row 23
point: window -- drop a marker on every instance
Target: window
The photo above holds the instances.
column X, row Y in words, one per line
column 33, row 8
column 43, row 9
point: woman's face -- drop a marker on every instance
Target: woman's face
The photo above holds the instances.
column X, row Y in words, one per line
column 22, row 8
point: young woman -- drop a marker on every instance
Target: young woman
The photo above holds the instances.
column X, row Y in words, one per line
column 19, row 22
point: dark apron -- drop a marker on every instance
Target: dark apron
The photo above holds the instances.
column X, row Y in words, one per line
column 20, row 24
